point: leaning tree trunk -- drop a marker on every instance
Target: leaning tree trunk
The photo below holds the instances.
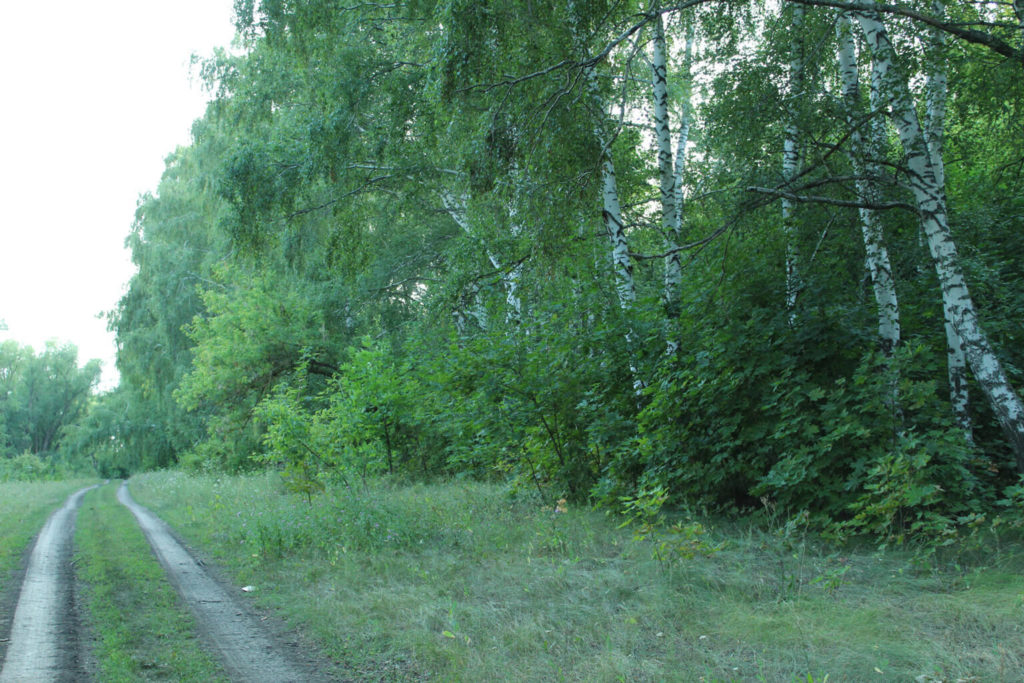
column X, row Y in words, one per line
column 791, row 158
column 931, row 204
column 934, row 135
column 865, row 167
column 622, row 262
column 456, row 208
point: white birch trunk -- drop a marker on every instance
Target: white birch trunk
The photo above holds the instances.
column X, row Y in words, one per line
column 930, row 199
column 511, row 279
column 791, row 158
column 456, row 208
column 622, row 263
column 877, row 255
column 956, row 369
column 935, row 99
column 611, row 210
column 685, row 120
column 515, row 304
column 612, row 213
column 670, row 218
column 934, row 134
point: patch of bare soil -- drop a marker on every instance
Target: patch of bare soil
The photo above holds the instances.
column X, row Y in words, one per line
column 248, row 650
column 43, row 641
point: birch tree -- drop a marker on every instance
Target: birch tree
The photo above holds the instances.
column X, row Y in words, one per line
column 671, row 165
column 456, row 208
column 611, row 209
column 934, row 132
column 930, row 199
column 685, row 121
column 667, row 177
column 865, row 168
column 791, row 156
column 414, row 154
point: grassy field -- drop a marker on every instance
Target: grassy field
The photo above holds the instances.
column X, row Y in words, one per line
column 464, row 582
column 24, row 508
column 141, row 631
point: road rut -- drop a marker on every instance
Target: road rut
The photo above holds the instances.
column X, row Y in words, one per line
column 246, row 650
column 43, row 645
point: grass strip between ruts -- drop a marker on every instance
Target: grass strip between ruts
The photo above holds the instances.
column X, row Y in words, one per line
column 142, row 631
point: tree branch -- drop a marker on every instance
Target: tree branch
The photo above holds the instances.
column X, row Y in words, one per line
column 815, row 199
column 970, row 35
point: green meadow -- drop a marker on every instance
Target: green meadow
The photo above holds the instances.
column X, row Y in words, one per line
column 466, row 581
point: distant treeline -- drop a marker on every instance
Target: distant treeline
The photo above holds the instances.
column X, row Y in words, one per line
column 43, row 396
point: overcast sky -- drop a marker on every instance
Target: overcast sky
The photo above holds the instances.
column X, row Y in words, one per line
column 95, row 95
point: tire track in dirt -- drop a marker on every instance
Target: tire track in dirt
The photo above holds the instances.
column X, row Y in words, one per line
column 247, row 651
column 43, row 643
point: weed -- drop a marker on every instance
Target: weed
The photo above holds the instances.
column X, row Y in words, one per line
column 670, row 543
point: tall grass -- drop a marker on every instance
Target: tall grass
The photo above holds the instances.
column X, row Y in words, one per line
column 465, row 581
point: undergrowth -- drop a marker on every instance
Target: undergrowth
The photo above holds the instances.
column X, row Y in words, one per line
column 466, row 581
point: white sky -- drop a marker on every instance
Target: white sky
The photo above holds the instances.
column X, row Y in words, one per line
column 93, row 97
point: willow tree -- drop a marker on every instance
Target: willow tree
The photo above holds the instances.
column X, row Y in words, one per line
column 44, row 393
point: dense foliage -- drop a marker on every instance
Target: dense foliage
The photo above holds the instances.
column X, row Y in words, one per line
column 42, row 397
column 434, row 237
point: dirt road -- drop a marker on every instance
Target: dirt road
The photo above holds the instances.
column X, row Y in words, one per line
column 248, row 652
column 43, row 644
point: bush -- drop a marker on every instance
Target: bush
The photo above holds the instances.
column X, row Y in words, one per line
column 26, row 467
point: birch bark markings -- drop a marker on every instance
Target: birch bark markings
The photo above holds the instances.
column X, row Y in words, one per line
column 456, row 208
column 611, row 209
column 930, row 199
column 864, row 159
column 622, row 263
column 685, row 119
column 670, row 217
column 935, row 91
column 791, row 158
column 612, row 215
column 514, row 275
